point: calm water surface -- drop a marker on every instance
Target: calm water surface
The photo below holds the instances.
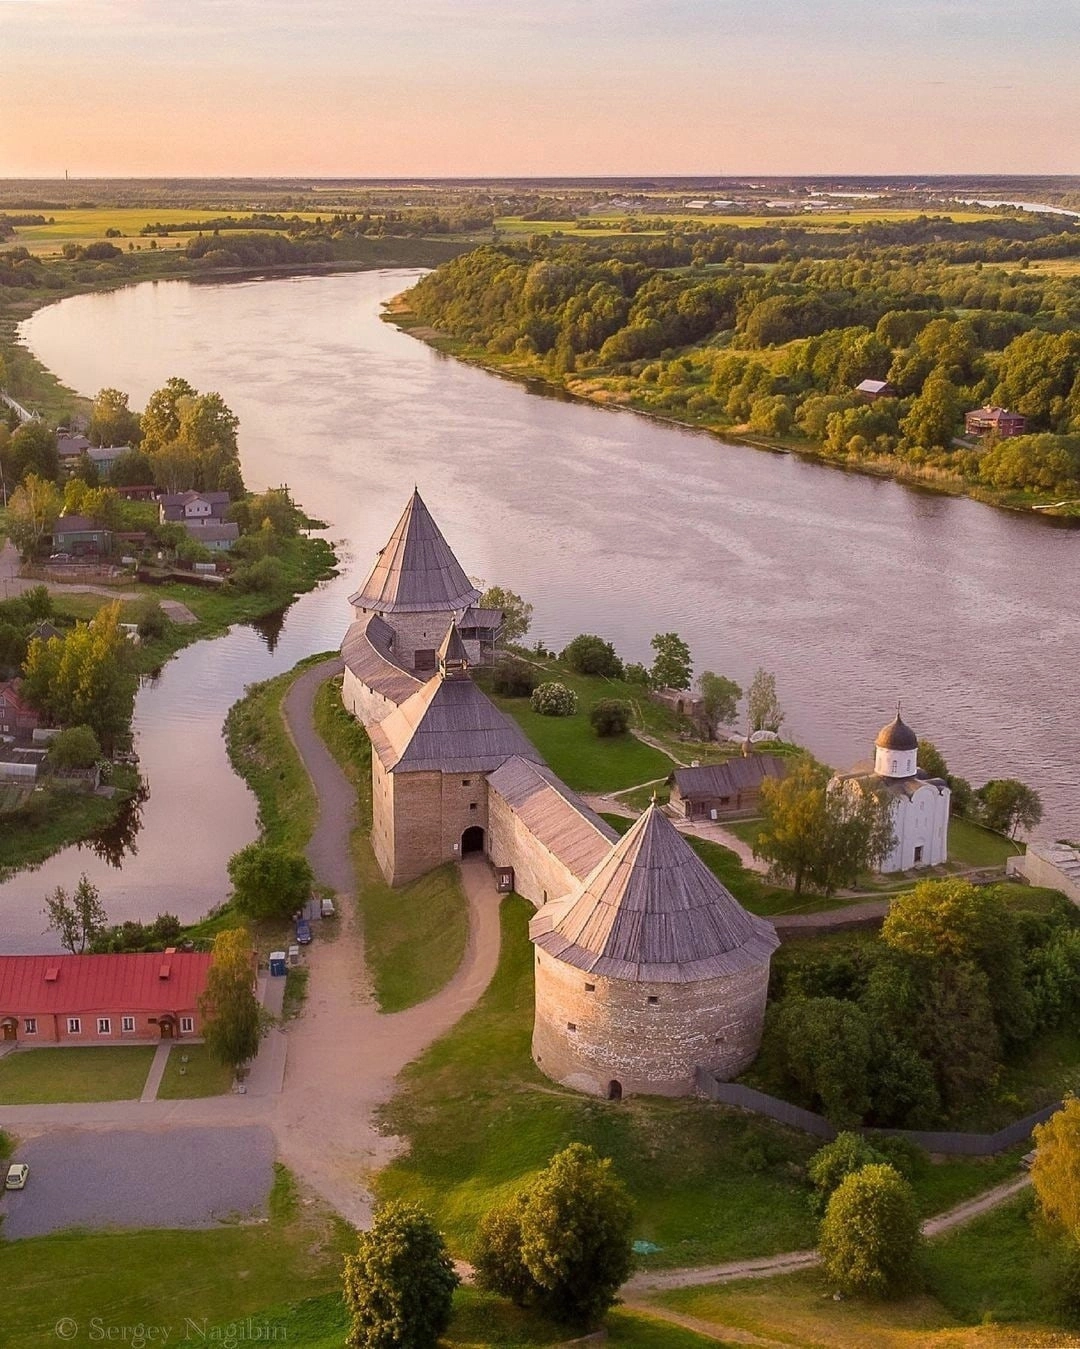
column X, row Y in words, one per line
column 853, row 590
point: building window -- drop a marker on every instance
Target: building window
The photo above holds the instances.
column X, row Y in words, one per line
column 187, row 1025
column 571, row 1025
column 30, row 1025
column 590, row 988
column 654, row 1002
column 127, row 1023
column 918, row 855
column 466, row 782
column 104, row 1025
column 472, row 805
column 74, row 1025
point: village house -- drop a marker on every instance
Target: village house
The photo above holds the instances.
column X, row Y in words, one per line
column 193, row 507
column 994, row 421
column 873, row 389
column 101, row 999
column 721, row 791
column 80, row 536
column 681, row 984
column 17, row 718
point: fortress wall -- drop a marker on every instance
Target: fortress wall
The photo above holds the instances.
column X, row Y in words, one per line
column 367, row 706
column 651, row 1048
column 413, row 632
column 463, row 803
column 414, row 810
column 538, row 873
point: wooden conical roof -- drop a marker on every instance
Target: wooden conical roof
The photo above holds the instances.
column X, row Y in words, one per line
column 416, row 571
column 652, row 911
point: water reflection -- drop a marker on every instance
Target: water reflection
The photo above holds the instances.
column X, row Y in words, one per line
column 118, row 840
column 269, row 627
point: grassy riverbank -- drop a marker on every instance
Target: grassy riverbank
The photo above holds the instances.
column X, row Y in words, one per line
column 415, row 935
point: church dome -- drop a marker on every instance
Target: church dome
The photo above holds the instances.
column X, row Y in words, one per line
column 897, row 735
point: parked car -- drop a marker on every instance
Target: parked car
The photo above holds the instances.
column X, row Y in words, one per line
column 303, row 931
column 16, row 1176
column 326, row 908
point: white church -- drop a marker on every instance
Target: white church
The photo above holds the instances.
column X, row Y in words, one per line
column 920, row 804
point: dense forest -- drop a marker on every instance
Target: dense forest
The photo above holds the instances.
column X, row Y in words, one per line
column 768, row 331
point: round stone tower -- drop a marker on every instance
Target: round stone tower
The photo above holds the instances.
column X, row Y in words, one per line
column 648, row 972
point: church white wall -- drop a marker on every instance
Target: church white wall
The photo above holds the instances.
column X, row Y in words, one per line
column 895, row 763
column 920, row 821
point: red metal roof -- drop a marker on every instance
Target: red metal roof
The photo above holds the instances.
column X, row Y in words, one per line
column 104, row 983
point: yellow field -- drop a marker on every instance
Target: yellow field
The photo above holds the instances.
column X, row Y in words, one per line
column 86, row 227
column 610, row 224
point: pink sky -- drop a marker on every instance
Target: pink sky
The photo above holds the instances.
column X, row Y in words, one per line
column 475, row 87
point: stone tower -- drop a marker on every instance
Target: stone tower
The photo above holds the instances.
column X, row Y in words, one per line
column 648, row 971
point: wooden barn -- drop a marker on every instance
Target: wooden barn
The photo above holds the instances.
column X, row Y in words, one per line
column 722, row 791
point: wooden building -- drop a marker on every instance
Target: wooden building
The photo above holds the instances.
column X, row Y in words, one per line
column 995, row 421
column 721, row 791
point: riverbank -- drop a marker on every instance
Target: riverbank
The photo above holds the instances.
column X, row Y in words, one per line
column 589, row 387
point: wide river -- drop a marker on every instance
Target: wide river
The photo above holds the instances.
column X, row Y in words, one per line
column 854, row 591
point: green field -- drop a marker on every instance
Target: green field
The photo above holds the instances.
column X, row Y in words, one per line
column 87, row 226
column 76, row 1073
column 610, row 223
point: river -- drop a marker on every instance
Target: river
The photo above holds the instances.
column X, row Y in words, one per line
column 855, row 591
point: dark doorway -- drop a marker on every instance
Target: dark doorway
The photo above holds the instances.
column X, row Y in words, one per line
column 167, row 1026
column 472, row 840
column 614, row 1091
column 11, row 1031
column 918, row 856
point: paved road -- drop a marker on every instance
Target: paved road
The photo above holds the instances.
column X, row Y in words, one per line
column 193, row 1177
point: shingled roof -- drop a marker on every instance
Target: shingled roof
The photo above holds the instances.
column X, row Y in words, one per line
column 652, row 911
column 416, row 571
column 448, row 726
column 554, row 814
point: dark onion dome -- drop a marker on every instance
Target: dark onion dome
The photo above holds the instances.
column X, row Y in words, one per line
column 897, row 735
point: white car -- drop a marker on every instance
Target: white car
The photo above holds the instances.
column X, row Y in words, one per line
column 16, row 1176
column 326, row 908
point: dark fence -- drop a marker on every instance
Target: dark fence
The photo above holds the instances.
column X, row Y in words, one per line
column 933, row 1140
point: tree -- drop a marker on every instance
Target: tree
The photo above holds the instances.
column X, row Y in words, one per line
column 32, row 449
column 934, row 415
column 512, row 678
column 85, row 677
column 591, row 655
column 719, row 697
column 76, row 747
column 517, row 614
column 825, row 1047
column 576, row 1236
column 932, row 761
column 399, row 1286
column 77, row 919
column 1009, row 806
column 497, row 1261
column 610, row 716
column 822, row 833
column 1055, row 1171
column 553, row 700
column 161, row 419
column 672, row 666
column 231, row 1017
column 111, row 420
column 870, row 1235
column 33, row 510
column 848, row 1152
column 762, row 708
column 270, row 881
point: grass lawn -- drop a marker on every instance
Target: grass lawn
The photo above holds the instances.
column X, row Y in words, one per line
column 199, row 1076
column 94, row 1073
column 347, row 741
column 161, row 1278
column 50, row 820
column 973, row 846
column 585, row 761
column 987, row 1272
column 296, row 989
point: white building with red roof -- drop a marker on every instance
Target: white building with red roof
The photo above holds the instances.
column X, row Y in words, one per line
column 101, row 999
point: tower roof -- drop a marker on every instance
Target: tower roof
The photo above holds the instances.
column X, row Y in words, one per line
column 452, row 656
column 416, row 572
column 448, row 726
column 653, row 911
column 897, row 735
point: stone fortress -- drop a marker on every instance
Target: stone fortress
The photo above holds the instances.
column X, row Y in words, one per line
column 647, row 969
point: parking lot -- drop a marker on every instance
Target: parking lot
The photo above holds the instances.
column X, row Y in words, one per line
column 174, row 1177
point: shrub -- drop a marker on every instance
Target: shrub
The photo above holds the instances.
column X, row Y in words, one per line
column 635, row 673
column 498, row 1262
column 847, row 1153
column 76, row 747
column 610, row 716
column 153, row 621
column 870, row 1236
column 269, row 881
column 591, row 655
column 399, row 1286
column 513, row 678
column 554, row 700
column 263, row 576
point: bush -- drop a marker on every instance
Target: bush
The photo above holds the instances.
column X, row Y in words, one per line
column 263, row 576
column 269, row 881
column 554, row 700
column 497, row 1261
column 610, row 716
column 636, row 673
column 590, row 655
column 513, row 678
column 846, row 1154
column 76, row 747
column 153, row 621
column 870, row 1235
column 399, row 1286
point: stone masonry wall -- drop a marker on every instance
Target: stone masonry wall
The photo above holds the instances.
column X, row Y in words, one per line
column 416, row 632
column 538, row 874
column 367, row 706
column 619, row 1034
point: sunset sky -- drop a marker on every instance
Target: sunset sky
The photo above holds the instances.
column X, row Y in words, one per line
column 494, row 87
